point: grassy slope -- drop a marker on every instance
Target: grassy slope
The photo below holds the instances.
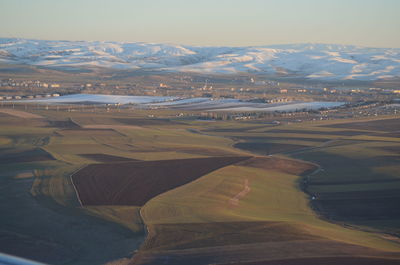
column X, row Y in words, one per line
column 145, row 143
column 274, row 196
column 349, row 162
column 156, row 142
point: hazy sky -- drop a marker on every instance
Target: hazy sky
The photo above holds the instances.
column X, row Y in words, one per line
column 206, row 22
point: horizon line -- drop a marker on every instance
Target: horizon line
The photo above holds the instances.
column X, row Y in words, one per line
column 196, row 45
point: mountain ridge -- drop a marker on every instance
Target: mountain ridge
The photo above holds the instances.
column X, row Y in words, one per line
column 329, row 62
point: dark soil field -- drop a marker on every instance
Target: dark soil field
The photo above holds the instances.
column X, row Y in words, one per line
column 342, row 169
column 33, row 155
column 348, row 189
column 134, row 183
column 359, row 205
column 367, row 181
column 388, row 125
column 89, row 132
column 64, row 124
column 107, row 158
column 268, row 148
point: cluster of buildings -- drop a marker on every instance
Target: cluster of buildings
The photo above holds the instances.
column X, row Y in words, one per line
column 29, row 97
column 27, row 84
column 277, row 100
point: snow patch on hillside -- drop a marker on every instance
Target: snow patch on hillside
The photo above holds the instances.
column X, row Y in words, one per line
column 313, row 61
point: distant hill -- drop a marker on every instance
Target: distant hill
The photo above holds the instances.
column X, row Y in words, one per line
column 311, row 61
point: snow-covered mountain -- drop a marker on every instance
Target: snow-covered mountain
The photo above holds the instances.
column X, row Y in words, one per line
column 312, row 61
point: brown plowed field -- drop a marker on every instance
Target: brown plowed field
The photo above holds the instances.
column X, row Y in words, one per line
column 134, row 183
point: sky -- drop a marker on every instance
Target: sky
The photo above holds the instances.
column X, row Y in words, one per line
column 372, row 23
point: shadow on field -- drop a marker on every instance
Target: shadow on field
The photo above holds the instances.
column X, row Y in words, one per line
column 41, row 230
column 348, row 189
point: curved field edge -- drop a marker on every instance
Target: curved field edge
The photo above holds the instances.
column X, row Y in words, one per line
column 358, row 182
column 274, row 197
column 134, row 183
column 252, row 212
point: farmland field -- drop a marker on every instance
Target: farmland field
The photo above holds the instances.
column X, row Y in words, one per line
column 148, row 187
column 135, row 183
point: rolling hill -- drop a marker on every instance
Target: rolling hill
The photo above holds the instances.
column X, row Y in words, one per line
column 311, row 61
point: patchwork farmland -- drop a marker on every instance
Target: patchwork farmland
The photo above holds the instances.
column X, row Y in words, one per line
column 158, row 189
